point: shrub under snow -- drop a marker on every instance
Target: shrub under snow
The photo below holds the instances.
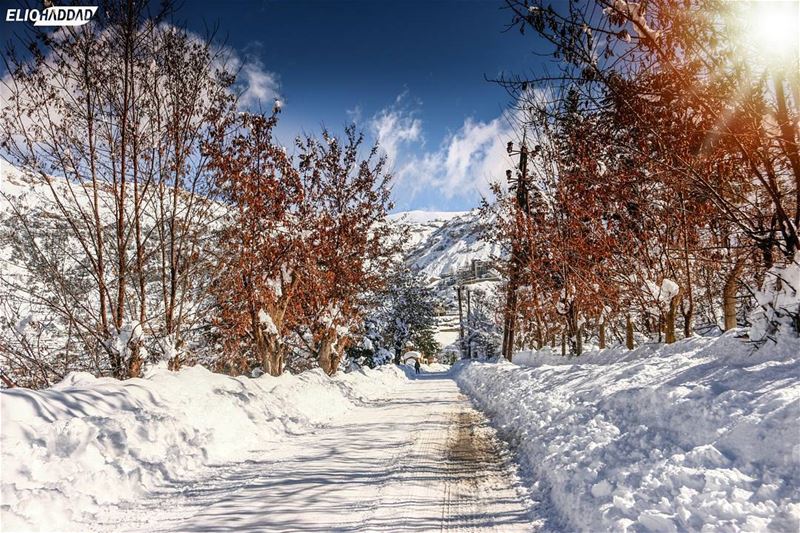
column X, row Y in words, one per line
column 778, row 303
column 697, row 435
column 87, row 442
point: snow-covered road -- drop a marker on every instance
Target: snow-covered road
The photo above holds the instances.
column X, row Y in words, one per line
column 420, row 460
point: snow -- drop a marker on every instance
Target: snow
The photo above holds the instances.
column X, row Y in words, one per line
column 440, row 243
column 446, row 337
column 195, row 451
column 669, row 289
column 86, row 443
column 778, row 302
column 698, row 435
column 425, row 217
column 411, row 355
column 406, row 463
column 441, row 247
column 434, row 367
column 129, row 333
column 452, row 245
column 661, row 294
column 266, row 322
column 23, row 324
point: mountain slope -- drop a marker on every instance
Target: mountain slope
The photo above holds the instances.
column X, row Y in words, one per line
column 452, row 251
column 443, row 244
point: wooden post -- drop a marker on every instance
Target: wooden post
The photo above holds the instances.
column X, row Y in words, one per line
column 460, row 323
column 469, row 329
column 523, row 206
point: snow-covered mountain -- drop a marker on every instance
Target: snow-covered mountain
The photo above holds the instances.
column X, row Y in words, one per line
column 444, row 244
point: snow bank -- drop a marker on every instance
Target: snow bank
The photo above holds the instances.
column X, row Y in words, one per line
column 697, row 435
column 87, row 443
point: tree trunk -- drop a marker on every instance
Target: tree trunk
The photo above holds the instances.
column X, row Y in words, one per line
column 729, row 296
column 327, row 357
column 275, row 355
column 573, row 331
column 398, row 353
column 510, row 315
column 688, row 313
column 540, row 333
column 602, row 335
column 135, row 364
column 669, row 324
column 270, row 347
column 688, row 316
column 628, row 332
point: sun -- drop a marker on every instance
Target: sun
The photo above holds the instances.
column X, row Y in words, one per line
column 771, row 30
column 775, row 25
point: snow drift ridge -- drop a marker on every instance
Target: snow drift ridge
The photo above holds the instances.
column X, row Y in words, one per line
column 87, row 442
column 697, row 435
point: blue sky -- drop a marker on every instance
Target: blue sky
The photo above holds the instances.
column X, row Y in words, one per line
column 410, row 73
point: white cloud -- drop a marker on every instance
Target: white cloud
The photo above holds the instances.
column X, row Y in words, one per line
column 354, row 114
column 259, row 86
column 393, row 128
column 475, row 156
column 462, row 167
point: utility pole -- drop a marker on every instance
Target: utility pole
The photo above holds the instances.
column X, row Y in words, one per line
column 469, row 330
column 460, row 322
column 520, row 186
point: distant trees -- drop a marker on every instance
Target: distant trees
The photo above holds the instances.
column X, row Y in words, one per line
column 481, row 336
column 663, row 169
column 402, row 317
column 368, row 348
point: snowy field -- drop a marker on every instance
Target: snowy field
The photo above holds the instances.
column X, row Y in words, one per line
column 696, row 436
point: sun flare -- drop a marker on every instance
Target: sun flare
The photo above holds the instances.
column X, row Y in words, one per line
column 772, row 30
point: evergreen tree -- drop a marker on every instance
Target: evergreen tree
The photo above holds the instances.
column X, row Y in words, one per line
column 410, row 316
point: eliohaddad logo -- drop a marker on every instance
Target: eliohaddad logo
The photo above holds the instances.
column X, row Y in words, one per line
column 53, row 15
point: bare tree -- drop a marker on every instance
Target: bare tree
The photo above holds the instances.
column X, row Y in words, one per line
column 108, row 120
